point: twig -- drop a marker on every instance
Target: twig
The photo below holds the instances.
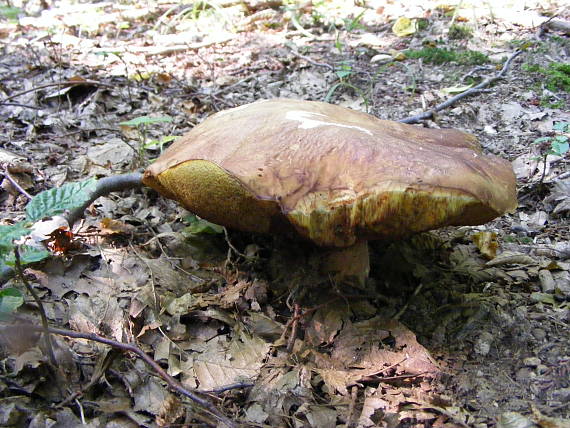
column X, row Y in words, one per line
column 427, row 114
column 104, row 187
column 294, row 328
column 310, row 61
column 43, row 316
column 81, row 413
column 166, row 50
column 385, row 379
column 239, row 82
column 21, row 105
column 238, row 385
column 16, row 184
column 405, row 307
column 49, row 85
column 231, row 246
column 350, row 423
column 173, row 383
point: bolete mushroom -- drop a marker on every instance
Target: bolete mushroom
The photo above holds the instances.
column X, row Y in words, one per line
column 331, row 175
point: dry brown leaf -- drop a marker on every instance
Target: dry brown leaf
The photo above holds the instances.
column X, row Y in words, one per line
column 224, row 364
column 110, row 226
column 338, row 380
column 170, row 411
column 326, row 322
column 511, row 258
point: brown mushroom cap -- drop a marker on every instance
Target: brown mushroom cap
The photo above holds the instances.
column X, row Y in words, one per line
column 334, row 175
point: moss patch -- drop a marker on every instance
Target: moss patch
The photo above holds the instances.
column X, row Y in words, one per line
column 434, row 55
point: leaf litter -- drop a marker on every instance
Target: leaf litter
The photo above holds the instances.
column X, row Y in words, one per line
column 483, row 337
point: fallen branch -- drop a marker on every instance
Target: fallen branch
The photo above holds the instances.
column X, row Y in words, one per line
column 127, row 347
column 428, row 114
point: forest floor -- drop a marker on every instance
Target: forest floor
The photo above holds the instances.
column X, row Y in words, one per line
column 444, row 334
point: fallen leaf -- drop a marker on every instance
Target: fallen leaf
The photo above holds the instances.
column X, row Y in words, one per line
column 404, row 26
column 456, row 89
column 487, row 243
column 224, row 364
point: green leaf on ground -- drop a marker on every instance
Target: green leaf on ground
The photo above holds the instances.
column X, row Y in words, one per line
column 8, row 234
column 56, row 201
column 200, row 226
column 11, row 233
column 10, row 300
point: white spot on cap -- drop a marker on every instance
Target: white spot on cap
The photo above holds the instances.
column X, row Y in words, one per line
column 307, row 121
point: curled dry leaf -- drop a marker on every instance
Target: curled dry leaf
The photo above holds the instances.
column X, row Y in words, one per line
column 511, row 258
column 487, row 243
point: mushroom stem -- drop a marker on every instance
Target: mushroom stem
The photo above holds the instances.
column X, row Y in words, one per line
column 347, row 265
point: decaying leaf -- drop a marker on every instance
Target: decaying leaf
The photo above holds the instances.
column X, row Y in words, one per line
column 456, row 89
column 404, row 26
column 225, row 364
column 371, row 405
column 170, row 411
column 511, row 258
column 326, row 323
column 111, row 226
column 487, row 243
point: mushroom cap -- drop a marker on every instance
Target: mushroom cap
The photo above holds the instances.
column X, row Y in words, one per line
column 332, row 175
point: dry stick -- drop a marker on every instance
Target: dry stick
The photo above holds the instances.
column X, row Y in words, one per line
column 166, row 50
column 21, row 105
column 237, row 385
column 428, row 114
column 95, row 378
column 173, row 383
column 49, row 85
column 43, row 316
column 350, row 423
column 294, row 328
column 15, row 184
column 405, row 307
column 310, row 61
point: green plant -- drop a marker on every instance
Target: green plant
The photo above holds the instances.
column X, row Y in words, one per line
column 557, row 145
column 422, row 24
column 10, row 300
column 557, row 73
column 558, row 76
column 351, row 24
column 344, row 73
column 141, row 123
column 435, row 55
column 459, row 32
column 10, row 13
column 45, row 204
column 197, row 225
